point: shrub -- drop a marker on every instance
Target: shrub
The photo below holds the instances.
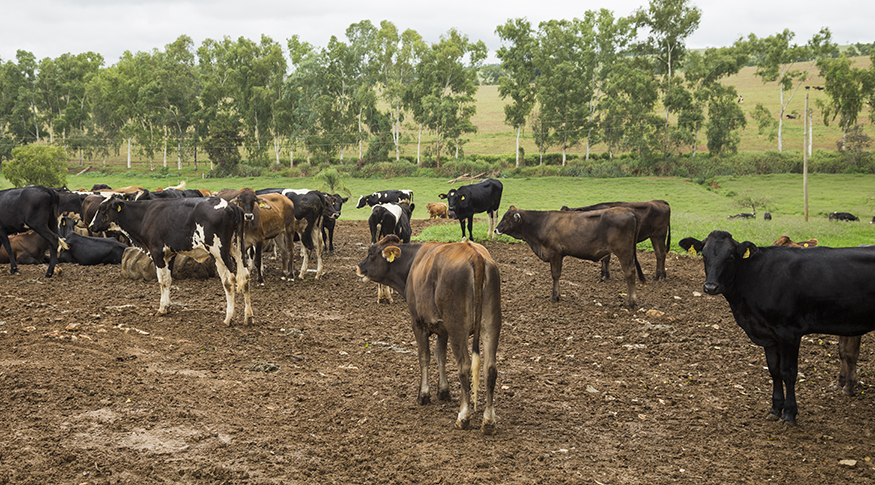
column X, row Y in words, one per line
column 37, row 165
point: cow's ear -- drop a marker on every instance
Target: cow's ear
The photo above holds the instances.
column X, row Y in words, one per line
column 517, row 217
column 391, row 252
column 747, row 249
column 117, row 205
column 463, row 197
column 442, row 196
column 344, row 199
column 263, row 203
column 691, row 245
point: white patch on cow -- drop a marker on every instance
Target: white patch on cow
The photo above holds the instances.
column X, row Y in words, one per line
column 286, row 192
column 221, row 205
column 395, row 210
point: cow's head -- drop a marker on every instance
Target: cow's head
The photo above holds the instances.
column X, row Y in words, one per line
column 366, row 200
column 456, row 201
column 335, row 203
column 722, row 254
column 511, row 223
column 250, row 203
column 108, row 214
column 378, row 263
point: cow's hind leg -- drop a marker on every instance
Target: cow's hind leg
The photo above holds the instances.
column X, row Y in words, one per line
column 606, row 267
column 13, row 265
column 228, row 284
column 773, row 360
column 164, row 281
column 556, row 273
column 424, row 353
column 849, row 350
column 440, row 350
column 463, row 360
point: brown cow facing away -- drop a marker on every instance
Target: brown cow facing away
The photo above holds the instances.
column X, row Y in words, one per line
column 589, row 235
column 453, row 290
column 436, row 210
column 655, row 225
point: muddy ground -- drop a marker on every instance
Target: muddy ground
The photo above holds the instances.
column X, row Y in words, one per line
column 95, row 388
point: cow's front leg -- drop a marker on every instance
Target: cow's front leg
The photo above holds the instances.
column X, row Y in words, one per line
column 441, row 356
column 305, row 255
column 789, row 354
column 556, row 272
column 773, row 360
column 13, row 265
column 424, row 352
column 606, row 267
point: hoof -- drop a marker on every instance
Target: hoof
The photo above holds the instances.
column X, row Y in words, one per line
column 423, row 400
column 463, row 424
column 488, row 428
column 772, row 417
column 444, row 395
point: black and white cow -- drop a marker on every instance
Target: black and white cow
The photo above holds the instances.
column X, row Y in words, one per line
column 32, row 207
column 391, row 219
column 328, row 223
column 473, row 199
column 384, row 197
column 778, row 294
column 842, row 216
column 195, row 227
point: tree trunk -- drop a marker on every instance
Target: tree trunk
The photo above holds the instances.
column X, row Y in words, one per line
column 129, row 153
column 165, row 146
column 418, row 146
column 781, row 121
column 178, row 154
column 518, row 130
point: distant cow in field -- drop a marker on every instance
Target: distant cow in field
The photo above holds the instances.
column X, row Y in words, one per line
column 743, row 215
column 484, row 196
column 32, row 207
column 589, row 235
column 842, row 216
column 384, row 197
column 778, row 294
column 436, row 210
column 453, row 290
column 767, row 216
column 655, row 224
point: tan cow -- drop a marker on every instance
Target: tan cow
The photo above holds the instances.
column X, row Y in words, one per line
column 436, row 210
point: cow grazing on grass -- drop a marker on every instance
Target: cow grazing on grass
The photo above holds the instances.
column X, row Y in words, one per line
column 590, row 235
column 86, row 250
column 33, row 207
column 484, row 196
column 329, row 223
column 436, row 210
column 196, row 227
column 778, row 294
column 28, row 248
column 266, row 217
column 384, row 197
column 453, row 290
column 655, row 224
column 842, row 216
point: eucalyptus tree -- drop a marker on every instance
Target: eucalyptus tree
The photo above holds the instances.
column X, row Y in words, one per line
column 847, row 89
column 396, row 57
column 363, row 67
column 302, row 89
column 628, row 121
column 175, row 88
column 442, row 93
column 22, row 116
column 518, row 62
column 668, row 24
column 788, row 65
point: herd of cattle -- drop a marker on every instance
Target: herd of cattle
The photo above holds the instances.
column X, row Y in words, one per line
column 777, row 294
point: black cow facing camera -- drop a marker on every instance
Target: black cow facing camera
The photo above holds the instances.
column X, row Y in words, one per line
column 464, row 202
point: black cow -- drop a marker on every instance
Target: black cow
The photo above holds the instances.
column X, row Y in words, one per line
column 842, row 216
column 778, row 294
column 32, row 207
column 655, row 224
column 743, row 215
column 329, row 223
column 87, row 251
column 192, row 226
column 590, row 235
column 384, row 197
column 484, row 196
column 453, row 290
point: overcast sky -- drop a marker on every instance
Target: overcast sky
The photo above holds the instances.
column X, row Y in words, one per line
column 49, row 28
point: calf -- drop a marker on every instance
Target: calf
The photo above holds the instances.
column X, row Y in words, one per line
column 468, row 200
column 195, row 227
column 778, row 294
column 590, row 235
column 453, row 290
column 436, row 210
column 655, row 224
column 86, row 250
column 32, row 207
column 842, row 216
column 384, row 197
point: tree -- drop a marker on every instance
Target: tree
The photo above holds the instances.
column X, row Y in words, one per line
column 777, row 60
column 518, row 62
column 845, row 89
column 37, row 165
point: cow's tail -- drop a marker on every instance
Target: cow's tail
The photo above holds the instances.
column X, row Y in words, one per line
column 479, row 283
column 635, row 250
column 56, row 216
column 239, row 229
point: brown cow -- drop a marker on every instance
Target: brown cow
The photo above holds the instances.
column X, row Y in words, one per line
column 436, row 210
column 266, row 217
column 452, row 290
column 589, row 235
column 655, row 225
column 785, row 241
column 28, row 248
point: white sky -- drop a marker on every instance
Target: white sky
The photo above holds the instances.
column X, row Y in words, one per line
column 49, row 28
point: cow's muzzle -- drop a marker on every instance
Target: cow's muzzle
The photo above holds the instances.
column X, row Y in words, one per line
column 711, row 288
column 249, row 217
column 358, row 272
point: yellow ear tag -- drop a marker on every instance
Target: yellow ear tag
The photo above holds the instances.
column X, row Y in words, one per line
column 391, row 257
column 692, row 250
column 463, row 197
column 746, row 254
column 119, row 208
column 805, row 245
column 261, row 205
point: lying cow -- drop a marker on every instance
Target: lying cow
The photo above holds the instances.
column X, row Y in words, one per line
column 452, row 290
column 86, row 250
column 785, row 241
column 743, row 215
column 778, row 294
column 436, row 210
column 28, row 248
column 842, row 216
column 591, row 235
column 655, row 216
column 194, row 226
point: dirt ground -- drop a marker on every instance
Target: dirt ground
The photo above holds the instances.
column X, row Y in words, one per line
column 95, row 388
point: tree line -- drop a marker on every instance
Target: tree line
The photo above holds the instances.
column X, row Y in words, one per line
column 628, row 83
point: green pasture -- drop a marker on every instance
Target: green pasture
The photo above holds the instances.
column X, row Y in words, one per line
column 696, row 209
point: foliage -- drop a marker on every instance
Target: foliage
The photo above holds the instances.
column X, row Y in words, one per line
column 37, row 165
column 333, row 180
column 223, row 146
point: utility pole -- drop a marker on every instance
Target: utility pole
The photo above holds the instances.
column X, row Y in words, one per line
column 805, row 159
